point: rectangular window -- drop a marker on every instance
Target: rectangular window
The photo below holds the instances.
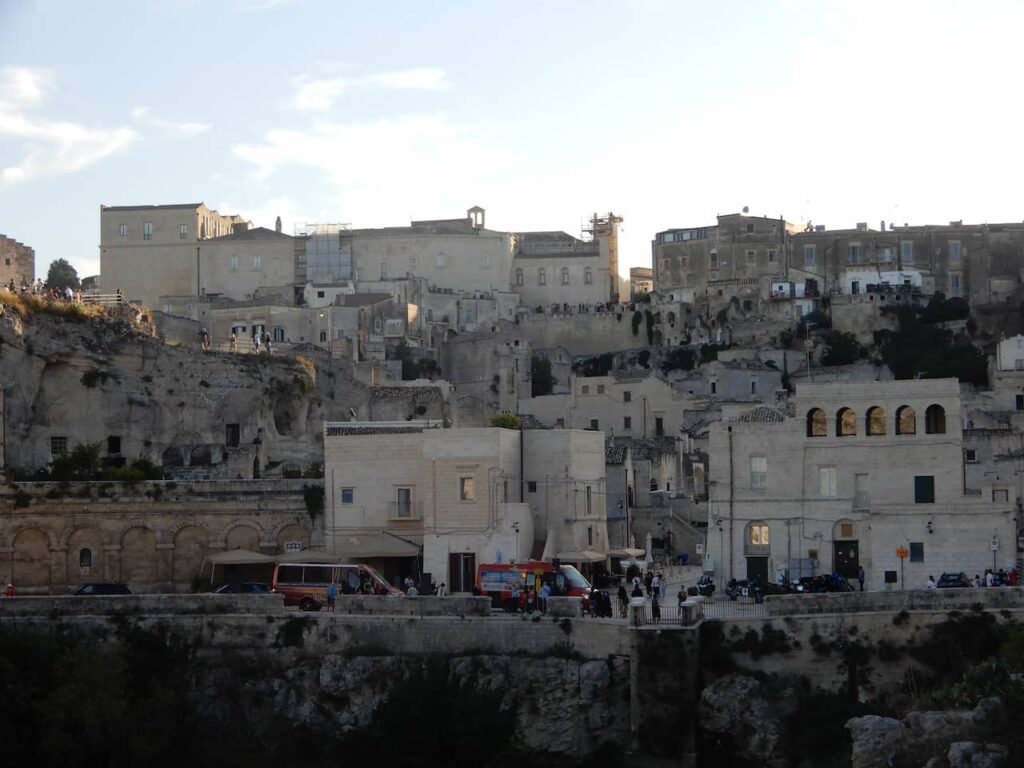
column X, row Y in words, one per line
column 627, row 422
column 861, row 492
column 588, row 277
column 853, row 253
column 827, row 481
column 627, row 396
column 182, row 231
column 954, row 284
column 531, row 486
column 542, row 277
column 122, row 230
column 1000, row 495
column 714, row 260
column 714, row 386
column 590, row 534
column 565, row 277
column 589, row 502
column 233, row 263
column 970, row 455
column 466, row 489
column 751, row 257
column 753, row 386
column 924, row 489
column 232, row 434
column 771, row 254
column 954, row 252
column 907, row 252
column 403, row 502
column 846, row 530
column 440, row 259
column 412, row 261
column 58, row 446
column 758, row 471
column 257, row 262
column 759, row 535
column 594, row 424
column 917, row 551
column 885, row 254
column 659, row 426
column 600, row 389
column 348, row 495
column 585, row 389
column 750, row 228
column 114, row 444
column 809, row 256
column 147, row 230
column 1020, row 402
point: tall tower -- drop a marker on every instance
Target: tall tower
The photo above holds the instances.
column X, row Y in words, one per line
column 605, row 230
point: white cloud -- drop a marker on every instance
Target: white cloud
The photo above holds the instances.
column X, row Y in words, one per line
column 49, row 147
column 142, row 116
column 320, row 94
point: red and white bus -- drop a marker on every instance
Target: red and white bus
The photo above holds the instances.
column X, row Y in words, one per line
column 305, row 584
column 496, row 580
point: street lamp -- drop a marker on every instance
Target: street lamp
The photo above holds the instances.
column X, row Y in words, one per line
column 515, row 527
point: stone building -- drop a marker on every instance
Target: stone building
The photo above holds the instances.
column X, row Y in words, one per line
column 853, row 474
column 550, row 268
column 17, row 262
column 462, row 497
column 641, row 280
column 738, row 256
column 153, row 536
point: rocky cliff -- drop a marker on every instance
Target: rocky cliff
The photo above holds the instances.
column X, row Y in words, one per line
column 73, row 378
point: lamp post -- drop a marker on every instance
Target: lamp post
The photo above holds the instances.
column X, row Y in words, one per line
column 515, row 527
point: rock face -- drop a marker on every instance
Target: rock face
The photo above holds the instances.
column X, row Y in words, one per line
column 944, row 737
column 88, row 380
column 560, row 705
column 735, row 705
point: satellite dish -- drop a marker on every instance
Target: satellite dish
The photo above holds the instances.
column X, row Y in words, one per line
column 352, row 413
column 746, row 209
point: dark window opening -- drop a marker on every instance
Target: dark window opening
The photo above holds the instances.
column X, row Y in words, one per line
column 917, row 551
column 114, row 444
column 232, row 435
column 924, row 489
column 531, row 486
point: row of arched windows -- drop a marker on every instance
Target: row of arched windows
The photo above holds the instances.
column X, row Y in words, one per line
column 875, row 422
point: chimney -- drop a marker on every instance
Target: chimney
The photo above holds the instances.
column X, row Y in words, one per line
column 881, row 228
column 277, row 224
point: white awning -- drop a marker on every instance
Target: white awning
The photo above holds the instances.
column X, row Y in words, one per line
column 375, row 545
column 626, row 552
column 239, row 557
column 582, row 556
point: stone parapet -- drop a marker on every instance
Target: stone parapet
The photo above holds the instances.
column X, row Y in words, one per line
column 991, row 598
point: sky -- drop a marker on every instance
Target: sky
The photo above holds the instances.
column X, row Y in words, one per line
column 377, row 113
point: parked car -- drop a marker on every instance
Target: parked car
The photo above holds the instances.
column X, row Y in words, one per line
column 103, row 588
column 245, row 587
column 825, row 582
column 954, row 581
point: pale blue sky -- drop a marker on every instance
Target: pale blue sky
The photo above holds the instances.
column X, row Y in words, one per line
column 375, row 113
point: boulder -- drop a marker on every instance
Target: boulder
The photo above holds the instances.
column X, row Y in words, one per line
column 971, row 754
column 876, row 740
column 735, row 705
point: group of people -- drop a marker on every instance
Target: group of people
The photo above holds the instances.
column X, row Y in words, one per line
column 529, row 600
column 585, row 308
column 39, row 289
column 259, row 340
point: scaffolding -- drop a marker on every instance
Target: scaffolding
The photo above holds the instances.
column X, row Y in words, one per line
column 328, row 251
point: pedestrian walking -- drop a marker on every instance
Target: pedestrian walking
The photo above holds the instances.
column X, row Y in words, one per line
column 204, row 339
column 332, row 595
column 655, row 609
column 234, row 342
column 931, row 582
column 860, row 577
column 10, row 590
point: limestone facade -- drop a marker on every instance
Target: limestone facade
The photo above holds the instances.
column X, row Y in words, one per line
column 150, row 251
column 857, row 471
column 152, row 536
column 17, row 262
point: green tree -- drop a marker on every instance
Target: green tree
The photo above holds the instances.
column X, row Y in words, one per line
column 542, row 381
column 62, row 275
column 841, row 348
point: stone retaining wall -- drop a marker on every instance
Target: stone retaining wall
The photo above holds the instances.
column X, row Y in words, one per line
column 1008, row 598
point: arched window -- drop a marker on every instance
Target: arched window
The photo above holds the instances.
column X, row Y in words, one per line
column 542, row 277
column 519, row 277
column 846, row 422
column 85, row 558
column 817, row 424
column 906, row 421
column 565, row 275
column 935, row 420
column 874, row 421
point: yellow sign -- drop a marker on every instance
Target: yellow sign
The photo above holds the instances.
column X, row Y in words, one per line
column 902, row 551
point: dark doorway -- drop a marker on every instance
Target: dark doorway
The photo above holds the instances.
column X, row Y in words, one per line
column 757, row 568
column 461, row 571
column 847, row 558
